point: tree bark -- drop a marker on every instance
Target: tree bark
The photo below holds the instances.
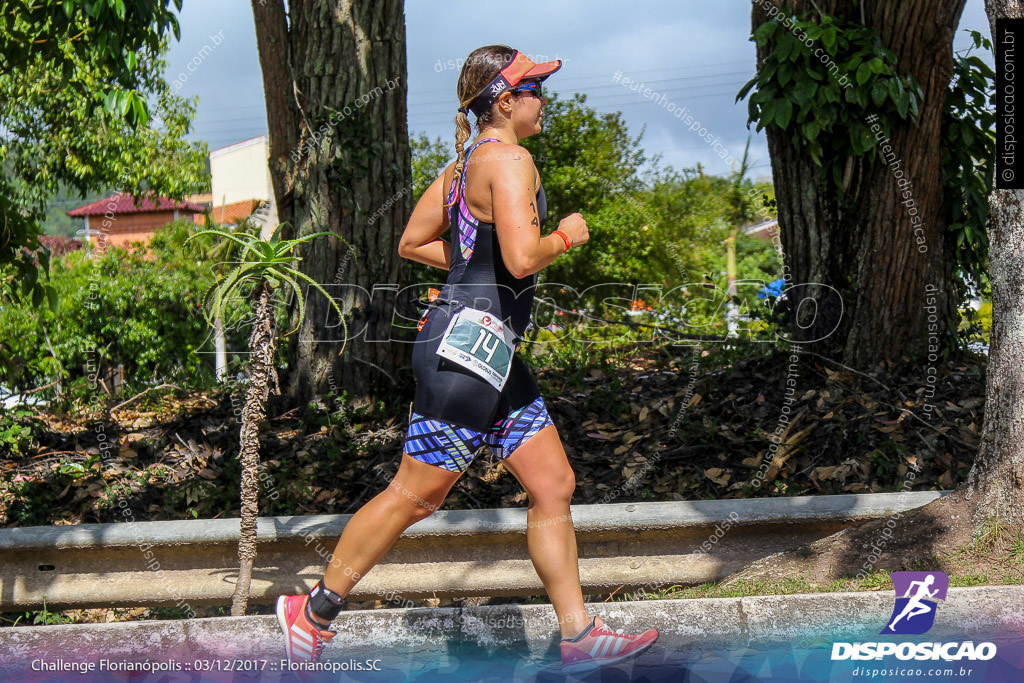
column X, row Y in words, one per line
column 262, row 343
column 335, row 81
column 997, row 476
column 865, row 248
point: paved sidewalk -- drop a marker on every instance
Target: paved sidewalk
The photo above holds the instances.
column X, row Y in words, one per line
column 519, row 633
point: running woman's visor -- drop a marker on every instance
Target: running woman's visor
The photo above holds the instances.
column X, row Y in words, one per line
column 519, row 68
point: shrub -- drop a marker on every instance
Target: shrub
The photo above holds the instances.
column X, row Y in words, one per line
column 139, row 310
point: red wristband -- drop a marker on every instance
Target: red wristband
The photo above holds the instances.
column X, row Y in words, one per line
column 565, row 238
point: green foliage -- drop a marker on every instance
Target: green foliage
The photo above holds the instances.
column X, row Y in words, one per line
column 757, row 259
column 668, row 233
column 585, row 159
column 985, row 317
column 77, row 80
column 429, row 159
column 112, row 34
column 695, row 213
column 141, row 312
column 968, row 155
column 17, row 431
column 57, row 221
column 822, row 109
column 622, row 242
column 757, row 264
column 975, row 326
column 45, row 617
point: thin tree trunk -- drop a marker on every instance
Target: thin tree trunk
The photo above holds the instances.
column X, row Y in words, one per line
column 220, row 349
column 997, row 476
column 865, row 248
column 262, row 342
column 335, row 82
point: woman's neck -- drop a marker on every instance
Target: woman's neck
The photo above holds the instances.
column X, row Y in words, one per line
column 506, row 135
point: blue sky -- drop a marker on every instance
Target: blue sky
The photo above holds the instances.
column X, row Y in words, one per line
column 695, row 53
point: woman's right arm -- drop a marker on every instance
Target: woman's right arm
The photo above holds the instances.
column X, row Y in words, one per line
column 421, row 240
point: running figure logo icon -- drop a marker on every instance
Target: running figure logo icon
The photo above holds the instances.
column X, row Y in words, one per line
column 917, row 594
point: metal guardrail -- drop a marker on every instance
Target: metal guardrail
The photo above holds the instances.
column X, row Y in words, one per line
column 451, row 554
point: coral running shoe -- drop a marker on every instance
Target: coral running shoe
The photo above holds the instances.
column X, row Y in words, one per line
column 603, row 646
column 303, row 640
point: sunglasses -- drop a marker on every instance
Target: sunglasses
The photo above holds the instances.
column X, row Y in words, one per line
column 532, row 87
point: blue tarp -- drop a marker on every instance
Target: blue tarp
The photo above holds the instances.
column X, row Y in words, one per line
column 773, row 288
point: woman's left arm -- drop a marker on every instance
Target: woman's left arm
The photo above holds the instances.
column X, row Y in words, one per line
column 421, row 240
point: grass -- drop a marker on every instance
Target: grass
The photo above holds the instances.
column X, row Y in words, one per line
column 1017, row 549
column 875, row 581
column 995, row 558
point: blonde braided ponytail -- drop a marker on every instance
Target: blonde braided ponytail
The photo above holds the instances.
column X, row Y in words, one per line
column 482, row 65
column 462, row 133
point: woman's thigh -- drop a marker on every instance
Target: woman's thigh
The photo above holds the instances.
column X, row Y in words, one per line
column 422, row 484
column 541, row 466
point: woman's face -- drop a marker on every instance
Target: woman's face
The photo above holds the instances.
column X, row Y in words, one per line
column 527, row 113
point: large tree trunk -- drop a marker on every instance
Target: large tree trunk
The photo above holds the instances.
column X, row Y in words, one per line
column 262, row 343
column 997, row 477
column 333, row 169
column 866, row 249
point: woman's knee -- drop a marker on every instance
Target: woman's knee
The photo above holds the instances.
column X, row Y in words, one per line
column 424, row 509
column 557, row 487
column 410, row 505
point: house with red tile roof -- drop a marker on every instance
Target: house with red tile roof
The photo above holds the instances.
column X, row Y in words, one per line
column 121, row 219
column 240, row 188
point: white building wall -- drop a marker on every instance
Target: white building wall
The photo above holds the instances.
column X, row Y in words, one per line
column 240, row 172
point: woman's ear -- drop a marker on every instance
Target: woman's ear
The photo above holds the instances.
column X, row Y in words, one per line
column 505, row 101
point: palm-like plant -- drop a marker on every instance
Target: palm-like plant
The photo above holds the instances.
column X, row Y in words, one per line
column 265, row 266
column 219, row 252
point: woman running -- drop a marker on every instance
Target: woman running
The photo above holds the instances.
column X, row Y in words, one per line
column 472, row 390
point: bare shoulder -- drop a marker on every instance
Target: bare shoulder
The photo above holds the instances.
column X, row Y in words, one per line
column 503, row 161
column 496, row 152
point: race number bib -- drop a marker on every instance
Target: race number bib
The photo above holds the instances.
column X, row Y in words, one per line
column 481, row 343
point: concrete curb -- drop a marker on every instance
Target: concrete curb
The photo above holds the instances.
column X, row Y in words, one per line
column 458, row 553
column 626, row 517
column 528, row 630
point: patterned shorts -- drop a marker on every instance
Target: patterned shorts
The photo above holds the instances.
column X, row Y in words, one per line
column 452, row 447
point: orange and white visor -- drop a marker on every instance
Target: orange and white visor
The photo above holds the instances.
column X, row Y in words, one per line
column 520, row 68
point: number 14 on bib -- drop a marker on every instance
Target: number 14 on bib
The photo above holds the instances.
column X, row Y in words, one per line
column 481, row 343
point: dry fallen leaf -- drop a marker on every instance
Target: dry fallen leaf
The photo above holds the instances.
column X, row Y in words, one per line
column 825, row 472
column 715, row 474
